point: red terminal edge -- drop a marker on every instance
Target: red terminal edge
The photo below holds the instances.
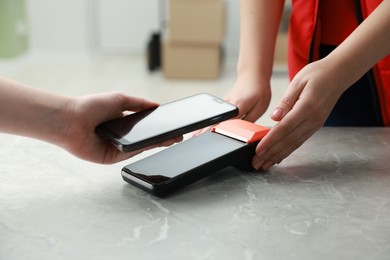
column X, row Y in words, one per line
column 242, row 130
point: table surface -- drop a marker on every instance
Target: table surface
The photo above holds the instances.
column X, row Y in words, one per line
column 329, row 200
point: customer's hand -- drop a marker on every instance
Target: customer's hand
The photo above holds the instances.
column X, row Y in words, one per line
column 83, row 114
column 303, row 110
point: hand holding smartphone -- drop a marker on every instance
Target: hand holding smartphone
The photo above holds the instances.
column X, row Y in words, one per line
column 167, row 121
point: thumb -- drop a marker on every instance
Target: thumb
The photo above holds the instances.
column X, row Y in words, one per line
column 135, row 104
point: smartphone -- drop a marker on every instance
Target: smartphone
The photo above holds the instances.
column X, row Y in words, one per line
column 141, row 129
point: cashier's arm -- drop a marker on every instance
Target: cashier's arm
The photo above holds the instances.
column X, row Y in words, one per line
column 68, row 122
column 315, row 90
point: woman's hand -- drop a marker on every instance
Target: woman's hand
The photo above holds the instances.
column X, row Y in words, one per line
column 316, row 88
column 303, row 110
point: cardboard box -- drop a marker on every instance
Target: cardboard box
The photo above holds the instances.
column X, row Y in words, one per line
column 196, row 21
column 191, row 61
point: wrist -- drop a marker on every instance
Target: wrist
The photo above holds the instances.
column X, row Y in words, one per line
column 58, row 119
column 254, row 73
column 253, row 78
column 51, row 120
column 340, row 75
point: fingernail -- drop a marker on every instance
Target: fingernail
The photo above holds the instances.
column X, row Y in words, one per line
column 258, row 164
column 267, row 165
column 277, row 114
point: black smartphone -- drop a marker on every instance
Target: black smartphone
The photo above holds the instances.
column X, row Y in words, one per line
column 141, row 129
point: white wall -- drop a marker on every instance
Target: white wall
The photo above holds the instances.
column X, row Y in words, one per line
column 232, row 27
column 123, row 26
column 59, row 26
column 107, row 26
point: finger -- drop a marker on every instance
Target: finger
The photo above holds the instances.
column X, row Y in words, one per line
column 135, row 103
column 200, row 131
column 284, row 151
column 113, row 105
column 254, row 113
column 283, row 129
column 113, row 155
column 290, row 134
column 285, row 147
column 243, row 107
column 171, row 141
column 278, row 132
column 287, row 102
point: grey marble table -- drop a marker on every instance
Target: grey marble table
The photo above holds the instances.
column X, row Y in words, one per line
column 329, row 200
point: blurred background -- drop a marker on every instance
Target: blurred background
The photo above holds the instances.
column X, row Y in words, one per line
column 158, row 49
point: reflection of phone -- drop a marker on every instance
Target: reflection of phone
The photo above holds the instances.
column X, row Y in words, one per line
column 170, row 120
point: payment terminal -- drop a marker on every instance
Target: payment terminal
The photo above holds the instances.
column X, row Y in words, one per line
column 230, row 143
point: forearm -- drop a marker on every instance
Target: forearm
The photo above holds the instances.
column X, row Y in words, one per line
column 367, row 45
column 31, row 112
column 258, row 30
